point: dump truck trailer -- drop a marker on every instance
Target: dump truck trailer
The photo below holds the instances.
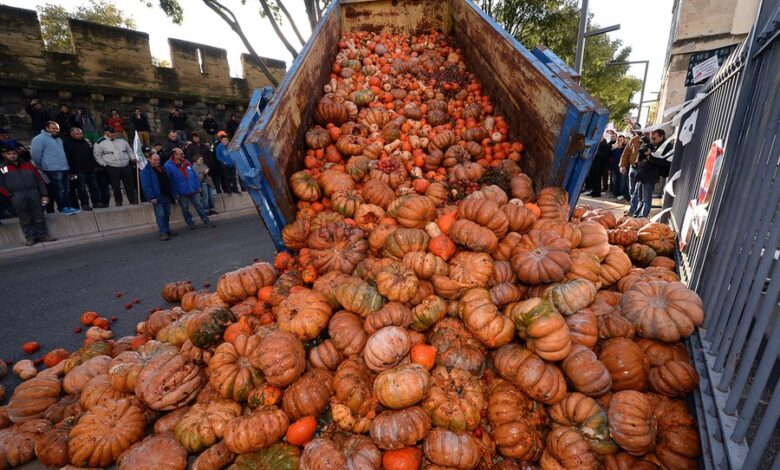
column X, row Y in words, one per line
column 559, row 124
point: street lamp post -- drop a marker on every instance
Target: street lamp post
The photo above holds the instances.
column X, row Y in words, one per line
column 581, row 35
column 644, row 82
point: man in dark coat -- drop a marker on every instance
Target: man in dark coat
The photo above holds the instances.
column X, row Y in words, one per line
column 81, row 161
column 38, row 116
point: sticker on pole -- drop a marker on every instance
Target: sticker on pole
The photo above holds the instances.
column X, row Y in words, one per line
column 705, row 69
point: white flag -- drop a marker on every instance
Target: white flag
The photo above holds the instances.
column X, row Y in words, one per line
column 139, row 152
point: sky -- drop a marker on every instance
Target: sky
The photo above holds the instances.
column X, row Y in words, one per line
column 644, row 25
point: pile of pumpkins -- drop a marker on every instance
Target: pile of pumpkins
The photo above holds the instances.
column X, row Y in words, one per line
column 436, row 311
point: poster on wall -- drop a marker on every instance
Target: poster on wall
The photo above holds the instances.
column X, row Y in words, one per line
column 709, row 177
column 701, row 57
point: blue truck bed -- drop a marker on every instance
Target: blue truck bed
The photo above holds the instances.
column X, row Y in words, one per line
column 557, row 121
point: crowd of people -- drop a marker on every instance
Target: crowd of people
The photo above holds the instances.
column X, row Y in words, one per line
column 71, row 166
column 629, row 166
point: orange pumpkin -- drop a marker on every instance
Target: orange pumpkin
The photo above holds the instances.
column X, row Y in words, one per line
column 626, row 363
column 541, row 257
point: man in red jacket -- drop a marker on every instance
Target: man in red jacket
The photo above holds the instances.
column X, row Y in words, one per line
column 25, row 185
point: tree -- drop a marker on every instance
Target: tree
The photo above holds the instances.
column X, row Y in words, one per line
column 554, row 23
column 272, row 10
column 158, row 62
column 54, row 21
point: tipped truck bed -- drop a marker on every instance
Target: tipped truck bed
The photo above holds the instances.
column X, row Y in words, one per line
column 559, row 124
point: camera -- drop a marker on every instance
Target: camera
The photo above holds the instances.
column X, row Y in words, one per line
column 647, row 146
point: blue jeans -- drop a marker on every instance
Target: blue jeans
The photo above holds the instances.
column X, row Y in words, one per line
column 162, row 215
column 207, row 196
column 59, row 187
column 194, row 199
column 632, row 190
column 181, row 136
column 87, row 180
column 645, row 195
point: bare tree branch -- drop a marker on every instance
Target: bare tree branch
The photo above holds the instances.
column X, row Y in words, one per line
column 269, row 15
column 311, row 13
column 292, row 22
column 232, row 21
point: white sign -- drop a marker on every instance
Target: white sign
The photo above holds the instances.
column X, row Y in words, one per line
column 705, row 69
column 688, row 128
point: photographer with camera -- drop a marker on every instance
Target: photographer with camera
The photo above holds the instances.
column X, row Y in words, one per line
column 654, row 160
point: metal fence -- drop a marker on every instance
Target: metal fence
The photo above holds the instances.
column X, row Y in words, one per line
column 732, row 261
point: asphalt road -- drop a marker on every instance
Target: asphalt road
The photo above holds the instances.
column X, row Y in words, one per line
column 42, row 296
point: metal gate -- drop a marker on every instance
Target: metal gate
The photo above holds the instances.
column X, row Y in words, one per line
column 731, row 261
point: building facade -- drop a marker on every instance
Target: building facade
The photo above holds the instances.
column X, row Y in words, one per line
column 701, row 29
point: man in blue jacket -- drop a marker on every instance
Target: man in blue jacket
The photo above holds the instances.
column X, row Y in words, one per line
column 48, row 154
column 157, row 188
column 228, row 166
column 185, row 187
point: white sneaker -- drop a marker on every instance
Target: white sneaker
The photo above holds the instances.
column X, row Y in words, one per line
column 621, row 198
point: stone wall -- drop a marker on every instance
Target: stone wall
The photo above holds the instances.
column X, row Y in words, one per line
column 112, row 68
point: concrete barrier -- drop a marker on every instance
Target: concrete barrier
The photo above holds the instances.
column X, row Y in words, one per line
column 110, row 223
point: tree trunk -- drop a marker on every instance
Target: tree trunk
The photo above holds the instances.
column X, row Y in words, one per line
column 292, row 22
column 229, row 18
column 277, row 30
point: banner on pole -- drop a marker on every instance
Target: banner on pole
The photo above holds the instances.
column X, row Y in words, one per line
column 138, row 148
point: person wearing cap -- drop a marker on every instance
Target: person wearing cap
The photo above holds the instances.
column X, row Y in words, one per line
column 81, row 160
column 229, row 184
column 195, row 147
column 23, row 183
column 114, row 154
column 48, row 154
column 157, row 188
column 7, row 141
column 186, row 188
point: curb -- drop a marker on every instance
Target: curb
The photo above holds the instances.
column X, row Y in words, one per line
column 68, row 242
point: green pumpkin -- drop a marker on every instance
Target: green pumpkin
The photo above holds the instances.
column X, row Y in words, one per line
column 595, row 430
column 530, row 313
column 391, row 132
column 432, row 309
column 350, row 63
column 640, row 254
column 362, row 97
column 358, row 167
column 571, row 296
column 85, row 353
column 356, row 295
column 175, row 332
column 279, row 456
column 207, row 327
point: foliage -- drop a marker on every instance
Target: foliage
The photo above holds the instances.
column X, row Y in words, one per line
column 554, row 23
column 54, row 21
column 157, row 62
